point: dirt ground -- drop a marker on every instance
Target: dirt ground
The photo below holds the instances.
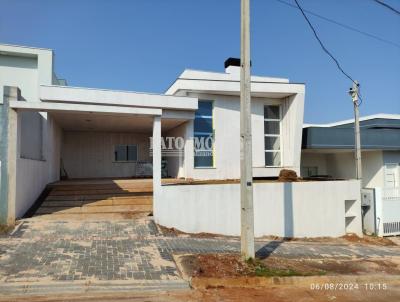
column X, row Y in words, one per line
column 230, row 266
column 271, row 294
column 350, row 238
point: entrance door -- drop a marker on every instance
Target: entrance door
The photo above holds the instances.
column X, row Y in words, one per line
column 392, row 175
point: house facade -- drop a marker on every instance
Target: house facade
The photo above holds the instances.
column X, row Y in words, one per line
column 328, row 151
column 51, row 131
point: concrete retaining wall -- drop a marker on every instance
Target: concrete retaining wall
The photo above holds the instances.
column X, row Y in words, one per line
column 302, row 209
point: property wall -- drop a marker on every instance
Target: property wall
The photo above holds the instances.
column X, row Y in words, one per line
column 26, row 69
column 227, row 136
column 91, row 154
column 34, row 174
column 300, row 209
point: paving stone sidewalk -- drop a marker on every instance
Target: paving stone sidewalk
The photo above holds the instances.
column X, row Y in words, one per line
column 132, row 250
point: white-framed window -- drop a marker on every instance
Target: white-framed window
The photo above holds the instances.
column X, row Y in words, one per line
column 126, row 153
column 272, row 135
column 204, row 135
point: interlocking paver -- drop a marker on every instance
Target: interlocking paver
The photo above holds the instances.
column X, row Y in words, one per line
column 131, row 250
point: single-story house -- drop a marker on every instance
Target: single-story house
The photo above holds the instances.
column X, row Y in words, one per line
column 328, row 151
column 51, row 131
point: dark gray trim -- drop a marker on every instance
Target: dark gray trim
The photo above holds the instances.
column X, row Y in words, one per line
column 343, row 138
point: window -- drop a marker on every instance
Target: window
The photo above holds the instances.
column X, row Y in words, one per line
column 309, row 171
column 204, row 135
column 125, row 153
column 31, row 135
column 272, row 135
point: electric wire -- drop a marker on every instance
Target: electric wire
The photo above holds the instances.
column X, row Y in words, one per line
column 387, row 6
column 348, row 27
column 326, row 50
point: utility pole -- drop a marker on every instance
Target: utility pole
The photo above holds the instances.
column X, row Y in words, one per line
column 246, row 173
column 354, row 95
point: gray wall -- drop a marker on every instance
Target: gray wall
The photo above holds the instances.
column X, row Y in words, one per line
column 91, row 154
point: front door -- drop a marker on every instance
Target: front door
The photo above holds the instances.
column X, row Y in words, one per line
column 392, row 175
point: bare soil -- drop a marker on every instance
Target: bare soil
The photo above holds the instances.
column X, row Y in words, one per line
column 173, row 232
column 286, row 175
column 232, row 265
column 270, row 294
column 351, row 238
column 369, row 240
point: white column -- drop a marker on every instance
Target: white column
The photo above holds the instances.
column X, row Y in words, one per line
column 189, row 150
column 10, row 153
column 156, row 163
column 12, row 163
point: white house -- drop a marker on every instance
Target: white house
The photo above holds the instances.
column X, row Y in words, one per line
column 50, row 130
column 328, row 151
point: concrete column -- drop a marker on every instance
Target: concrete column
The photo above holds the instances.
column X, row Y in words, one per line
column 156, row 162
column 8, row 156
column 189, row 150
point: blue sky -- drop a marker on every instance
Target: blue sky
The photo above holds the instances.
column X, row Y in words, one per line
column 144, row 45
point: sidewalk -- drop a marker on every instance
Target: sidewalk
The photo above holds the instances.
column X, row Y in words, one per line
column 129, row 254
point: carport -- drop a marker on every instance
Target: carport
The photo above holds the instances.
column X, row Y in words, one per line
column 89, row 133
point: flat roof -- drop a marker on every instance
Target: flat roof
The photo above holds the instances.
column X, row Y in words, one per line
column 378, row 132
column 350, row 121
column 82, row 95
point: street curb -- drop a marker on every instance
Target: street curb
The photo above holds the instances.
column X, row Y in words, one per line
column 80, row 287
column 254, row 282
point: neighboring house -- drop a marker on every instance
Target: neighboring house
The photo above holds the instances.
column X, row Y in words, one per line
column 328, row 151
column 51, row 131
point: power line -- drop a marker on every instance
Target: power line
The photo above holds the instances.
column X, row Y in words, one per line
column 387, row 6
column 343, row 25
column 322, row 44
column 325, row 49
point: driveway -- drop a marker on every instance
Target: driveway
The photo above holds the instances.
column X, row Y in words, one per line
column 54, row 256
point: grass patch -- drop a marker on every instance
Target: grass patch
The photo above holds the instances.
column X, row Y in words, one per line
column 262, row 270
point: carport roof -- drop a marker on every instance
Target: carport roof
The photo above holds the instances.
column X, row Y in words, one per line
column 79, row 95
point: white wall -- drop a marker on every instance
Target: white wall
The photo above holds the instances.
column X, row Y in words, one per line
column 19, row 72
column 33, row 175
column 342, row 165
column 318, row 160
column 176, row 164
column 227, row 136
column 91, row 154
column 27, row 68
column 53, row 149
column 302, row 209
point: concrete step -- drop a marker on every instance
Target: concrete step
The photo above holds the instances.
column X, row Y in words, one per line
column 131, row 195
column 84, row 191
column 100, row 187
column 140, row 200
column 91, row 216
column 95, row 209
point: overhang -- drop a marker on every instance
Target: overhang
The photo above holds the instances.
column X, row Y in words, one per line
column 99, row 97
column 258, row 89
column 83, row 108
column 343, row 138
